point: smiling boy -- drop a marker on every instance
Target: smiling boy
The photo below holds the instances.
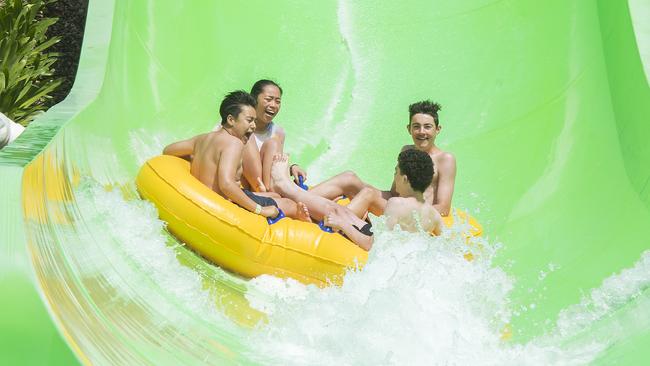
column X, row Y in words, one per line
column 424, row 127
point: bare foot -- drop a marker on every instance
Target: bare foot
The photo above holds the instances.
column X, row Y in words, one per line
column 302, row 213
column 279, row 174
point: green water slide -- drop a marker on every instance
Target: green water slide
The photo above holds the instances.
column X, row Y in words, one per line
column 546, row 106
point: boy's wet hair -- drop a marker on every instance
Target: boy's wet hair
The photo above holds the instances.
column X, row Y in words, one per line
column 418, row 168
column 233, row 102
column 259, row 85
column 425, row 107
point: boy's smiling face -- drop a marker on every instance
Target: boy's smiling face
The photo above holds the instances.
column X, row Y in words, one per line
column 423, row 130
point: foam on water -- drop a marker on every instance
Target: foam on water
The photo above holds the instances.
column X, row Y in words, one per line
column 418, row 300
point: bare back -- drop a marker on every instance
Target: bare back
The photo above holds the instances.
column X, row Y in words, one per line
column 441, row 190
column 400, row 211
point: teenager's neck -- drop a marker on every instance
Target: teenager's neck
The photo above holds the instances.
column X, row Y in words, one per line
column 228, row 131
column 429, row 150
column 262, row 127
column 419, row 196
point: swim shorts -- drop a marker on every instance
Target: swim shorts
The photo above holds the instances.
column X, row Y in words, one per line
column 262, row 201
column 365, row 229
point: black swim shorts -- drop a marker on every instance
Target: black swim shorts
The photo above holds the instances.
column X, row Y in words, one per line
column 262, row 201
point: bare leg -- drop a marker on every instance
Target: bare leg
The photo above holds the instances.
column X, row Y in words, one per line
column 290, row 208
column 271, row 147
column 318, row 206
column 346, row 183
column 368, row 199
column 349, row 184
column 268, row 194
column 293, row 210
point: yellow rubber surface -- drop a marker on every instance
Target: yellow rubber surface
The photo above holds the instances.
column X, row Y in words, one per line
column 239, row 240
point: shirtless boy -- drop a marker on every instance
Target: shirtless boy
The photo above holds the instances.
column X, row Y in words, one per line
column 267, row 139
column 216, row 159
column 424, row 127
column 412, row 176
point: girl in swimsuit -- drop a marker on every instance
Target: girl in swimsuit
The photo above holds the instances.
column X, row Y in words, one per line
column 268, row 138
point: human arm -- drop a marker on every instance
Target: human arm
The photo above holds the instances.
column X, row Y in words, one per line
column 446, row 179
column 183, row 149
column 226, row 177
column 252, row 166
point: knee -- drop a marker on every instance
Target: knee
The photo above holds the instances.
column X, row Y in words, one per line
column 348, row 174
column 369, row 192
column 350, row 178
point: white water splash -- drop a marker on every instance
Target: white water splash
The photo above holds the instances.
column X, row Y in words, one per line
column 419, row 301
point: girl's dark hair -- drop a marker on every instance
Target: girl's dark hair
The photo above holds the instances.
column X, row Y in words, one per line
column 259, row 86
column 233, row 102
column 418, row 168
column 425, row 107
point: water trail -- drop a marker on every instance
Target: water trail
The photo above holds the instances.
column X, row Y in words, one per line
column 347, row 134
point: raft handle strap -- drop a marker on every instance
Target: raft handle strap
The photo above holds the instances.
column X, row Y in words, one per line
column 301, row 183
column 273, row 220
column 327, row 229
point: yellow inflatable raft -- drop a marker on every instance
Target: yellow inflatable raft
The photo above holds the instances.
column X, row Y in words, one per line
column 239, row 240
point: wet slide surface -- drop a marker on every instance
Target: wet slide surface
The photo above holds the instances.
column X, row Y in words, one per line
column 544, row 105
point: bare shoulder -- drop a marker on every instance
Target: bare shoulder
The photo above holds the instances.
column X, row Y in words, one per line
column 398, row 200
column 444, row 160
column 395, row 204
column 226, row 139
column 279, row 130
column 445, row 156
column 233, row 142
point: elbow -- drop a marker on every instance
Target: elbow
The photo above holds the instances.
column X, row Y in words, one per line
column 228, row 188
